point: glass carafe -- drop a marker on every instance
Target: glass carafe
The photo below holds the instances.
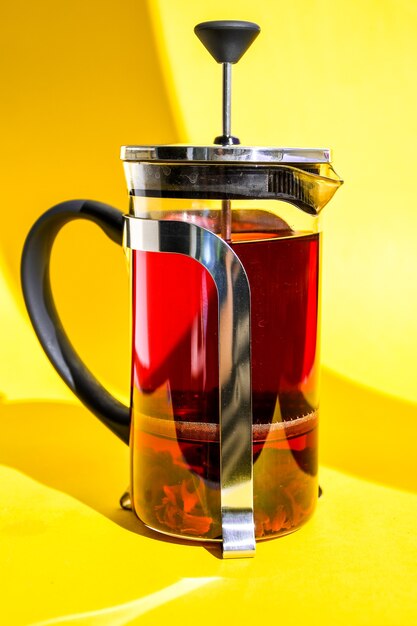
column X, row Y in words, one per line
column 264, row 204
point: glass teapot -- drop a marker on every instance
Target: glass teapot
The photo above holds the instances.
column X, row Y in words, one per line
column 224, row 248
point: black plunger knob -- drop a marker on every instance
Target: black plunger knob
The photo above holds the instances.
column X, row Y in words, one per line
column 227, row 41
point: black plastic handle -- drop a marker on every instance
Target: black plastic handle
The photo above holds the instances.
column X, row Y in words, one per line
column 39, row 301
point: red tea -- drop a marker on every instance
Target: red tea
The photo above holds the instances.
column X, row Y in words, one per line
column 175, row 387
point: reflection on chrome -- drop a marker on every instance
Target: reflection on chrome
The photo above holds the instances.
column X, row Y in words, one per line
column 235, row 410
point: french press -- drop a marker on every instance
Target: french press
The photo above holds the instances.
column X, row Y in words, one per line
column 224, row 249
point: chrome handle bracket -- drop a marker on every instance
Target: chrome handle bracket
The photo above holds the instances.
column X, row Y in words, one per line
column 235, row 388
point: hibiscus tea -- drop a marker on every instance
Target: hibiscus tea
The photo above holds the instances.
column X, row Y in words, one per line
column 175, row 396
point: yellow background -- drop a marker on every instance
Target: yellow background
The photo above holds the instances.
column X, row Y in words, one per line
column 81, row 78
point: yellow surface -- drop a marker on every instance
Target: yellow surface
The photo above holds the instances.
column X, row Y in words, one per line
column 351, row 564
column 68, row 553
column 80, row 78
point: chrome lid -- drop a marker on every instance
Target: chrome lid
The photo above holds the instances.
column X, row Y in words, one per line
column 229, row 154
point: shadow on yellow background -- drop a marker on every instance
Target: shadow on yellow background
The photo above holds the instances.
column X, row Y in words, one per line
column 63, row 446
column 367, row 433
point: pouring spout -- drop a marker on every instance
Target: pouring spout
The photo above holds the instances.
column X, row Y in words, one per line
column 309, row 187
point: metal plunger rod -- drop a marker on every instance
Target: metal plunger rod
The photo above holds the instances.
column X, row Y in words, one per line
column 226, row 218
column 227, row 41
column 227, row 99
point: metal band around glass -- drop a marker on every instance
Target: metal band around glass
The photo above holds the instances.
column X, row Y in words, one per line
column 235, row 388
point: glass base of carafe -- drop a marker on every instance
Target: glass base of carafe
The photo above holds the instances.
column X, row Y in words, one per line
column 216, row 540
column 174, row 492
